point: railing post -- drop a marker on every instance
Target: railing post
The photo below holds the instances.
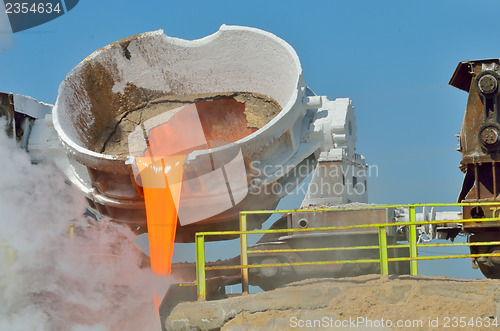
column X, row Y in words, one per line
column 71, row 231
column 382, row 243
column 244, row 254
column 200, row 267
column 413, row 242
column 10, row 255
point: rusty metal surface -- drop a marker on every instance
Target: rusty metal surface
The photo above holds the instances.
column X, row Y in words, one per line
column 480, row 148
column 479, row 136
column 462, row 76
column 481, row 212
column 7, row 109
column 479, row 112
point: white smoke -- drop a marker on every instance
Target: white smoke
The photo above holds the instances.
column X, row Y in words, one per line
column 51, row 282
column 5, row 29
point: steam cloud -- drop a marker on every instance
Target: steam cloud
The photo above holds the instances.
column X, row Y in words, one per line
column 51, row 282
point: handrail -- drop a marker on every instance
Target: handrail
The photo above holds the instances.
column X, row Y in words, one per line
column 382, row 246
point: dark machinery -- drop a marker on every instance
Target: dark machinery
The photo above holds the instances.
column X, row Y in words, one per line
column 480, row 148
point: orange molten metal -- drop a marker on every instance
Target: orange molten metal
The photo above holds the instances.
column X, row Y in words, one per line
column 161, row 175
column 161, row 209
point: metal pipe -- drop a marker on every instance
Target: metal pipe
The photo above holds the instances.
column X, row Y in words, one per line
column 382, row 240
column 442, row 257
column 489, row 243
column 287, row 250
column 390, row 259
column 294, row 264
column 10, row 255
column 244, row 254
column 71, row 231
column 346, row 227
column 413, row 242
column 200, row 267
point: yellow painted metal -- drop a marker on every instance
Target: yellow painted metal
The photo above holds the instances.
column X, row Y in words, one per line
column 200, row 267
column 382, row 241
column 188, row 284
column 345, row 227
column 384, row 259
column 314, row 249
column 293, row 264
column 244, row 253
column 71, row 231
column 10, row 254
column 482, row 243
column 413, row 241
column 442, row 257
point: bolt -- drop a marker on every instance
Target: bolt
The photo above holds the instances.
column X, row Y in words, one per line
column 490, row 135
column 487, row 84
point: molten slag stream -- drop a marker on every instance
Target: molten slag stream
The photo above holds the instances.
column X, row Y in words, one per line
column 161, row 197
column 161, row 212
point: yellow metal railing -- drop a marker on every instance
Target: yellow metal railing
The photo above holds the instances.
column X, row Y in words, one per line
column 10, row 254
column 383, row 259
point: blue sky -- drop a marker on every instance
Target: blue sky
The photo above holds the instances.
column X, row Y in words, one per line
column 392, row 58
